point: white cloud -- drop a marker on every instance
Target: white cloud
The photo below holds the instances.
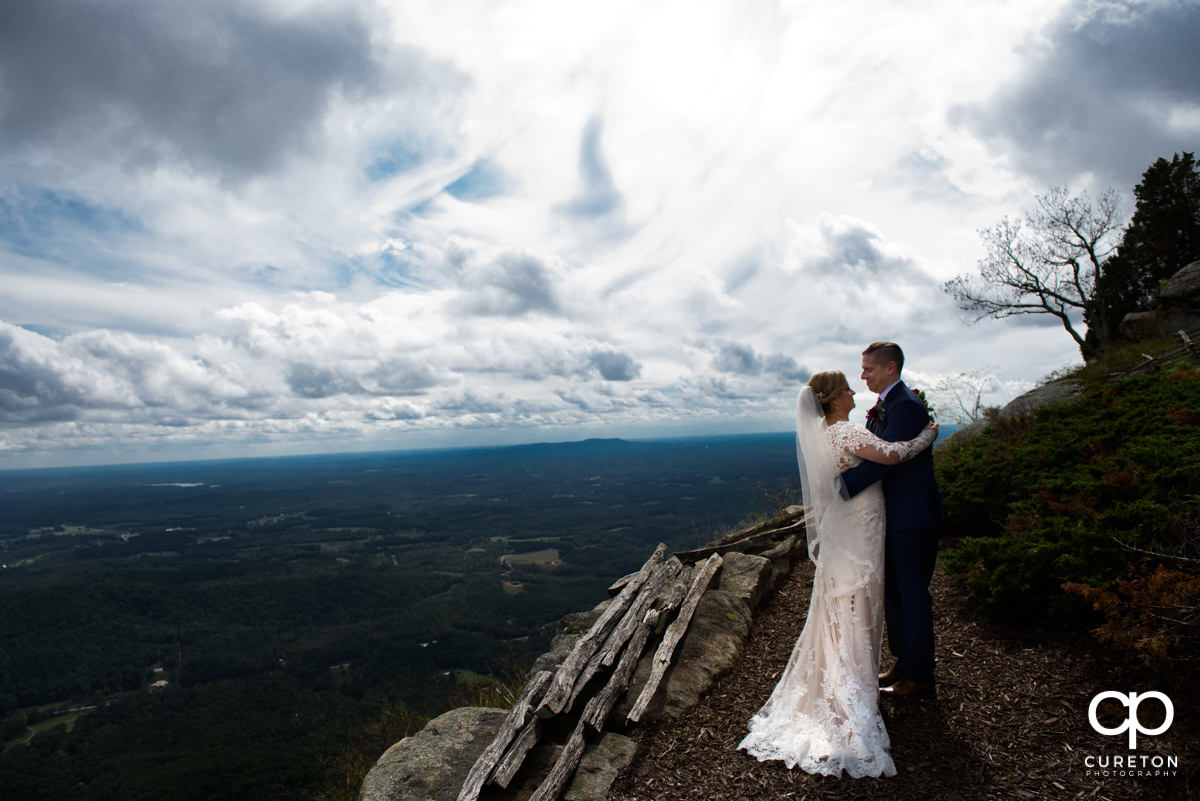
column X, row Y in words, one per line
column 406, row 223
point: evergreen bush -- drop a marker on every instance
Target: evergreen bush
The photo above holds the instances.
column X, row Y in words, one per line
column 1065, row 495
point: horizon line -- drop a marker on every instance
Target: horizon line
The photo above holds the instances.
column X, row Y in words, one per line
column 368, row 451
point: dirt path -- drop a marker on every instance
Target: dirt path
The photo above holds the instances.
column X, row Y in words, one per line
column 1010, row 721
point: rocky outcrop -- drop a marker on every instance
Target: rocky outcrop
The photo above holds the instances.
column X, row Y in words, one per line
column 599, row 766
column 1176, row 307
column 1061, row 391
column 1182, row 290
column 425, row 766
column 434, row 763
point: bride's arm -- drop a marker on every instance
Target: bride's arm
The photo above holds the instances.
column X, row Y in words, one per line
column 870, row 447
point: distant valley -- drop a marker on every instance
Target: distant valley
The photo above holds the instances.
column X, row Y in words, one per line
column 216, row 629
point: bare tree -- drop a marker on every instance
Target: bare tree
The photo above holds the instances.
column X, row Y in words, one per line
column 960, row 396
column 1045, row 264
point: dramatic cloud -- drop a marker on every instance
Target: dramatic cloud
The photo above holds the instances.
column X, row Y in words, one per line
column 734, row 358
column 218, row 85
column 511, row 285
column 1108, row 89
column 105, row 372
column 853, row 251
column 614, row 366
column 742, row 360
column 234, row 227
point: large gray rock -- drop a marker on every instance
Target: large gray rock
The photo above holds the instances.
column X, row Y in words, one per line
column 1060, row 391
column 1162, row 323
column 1176, row 307
column 1182, row 289
column 783, row 557
column 1137, row 326
column 745, row 577
column 432, row 764
column 599, row 768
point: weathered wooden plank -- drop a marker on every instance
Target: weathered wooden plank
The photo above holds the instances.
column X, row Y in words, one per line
column 568, row 759
column 780, row 550
column 514, row 757
column 517, row 717
column 752, row 540
column 664, row 572
column 563, row 684
column 766, row 525
column 595, row 713
column 602, row 703
column 620, row 583
column 673, row 635
column 678, row 591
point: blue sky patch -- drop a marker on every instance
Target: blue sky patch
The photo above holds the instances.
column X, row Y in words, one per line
column 35, row 223
column 400, row 158
column 482, row 181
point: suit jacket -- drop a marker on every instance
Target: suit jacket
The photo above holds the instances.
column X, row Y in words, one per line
column 909, row 489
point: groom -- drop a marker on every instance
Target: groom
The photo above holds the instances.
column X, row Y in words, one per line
column 914, row 518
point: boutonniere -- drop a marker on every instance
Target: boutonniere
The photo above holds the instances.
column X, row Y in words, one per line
column 928, row 406
column 875, row 416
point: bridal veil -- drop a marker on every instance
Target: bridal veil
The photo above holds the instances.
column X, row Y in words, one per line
column 818, row 471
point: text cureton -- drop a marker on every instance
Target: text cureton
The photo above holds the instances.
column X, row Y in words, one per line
column 1131, row 761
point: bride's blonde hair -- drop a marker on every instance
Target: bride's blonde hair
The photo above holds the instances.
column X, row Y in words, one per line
column 827, row 386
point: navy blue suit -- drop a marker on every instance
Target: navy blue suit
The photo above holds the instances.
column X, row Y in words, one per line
column 914, row 520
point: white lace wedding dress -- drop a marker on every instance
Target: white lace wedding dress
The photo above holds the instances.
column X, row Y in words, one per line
column 823, row 715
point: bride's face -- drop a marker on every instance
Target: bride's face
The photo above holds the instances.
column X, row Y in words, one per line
column 847, row 399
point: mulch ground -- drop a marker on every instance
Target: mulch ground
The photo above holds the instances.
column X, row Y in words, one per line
column 1010, row 720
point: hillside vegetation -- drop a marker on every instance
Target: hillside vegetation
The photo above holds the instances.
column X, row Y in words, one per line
column 1087, row 513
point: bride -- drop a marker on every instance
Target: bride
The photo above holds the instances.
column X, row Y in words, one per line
column 823, row 716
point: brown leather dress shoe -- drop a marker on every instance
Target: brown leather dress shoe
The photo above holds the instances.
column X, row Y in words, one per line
column 906, row 688
column 891, row 677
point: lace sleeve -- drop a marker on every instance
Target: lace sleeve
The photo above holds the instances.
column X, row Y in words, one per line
column 858, row 440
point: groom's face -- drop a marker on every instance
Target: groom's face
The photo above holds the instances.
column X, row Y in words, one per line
column 878, row 376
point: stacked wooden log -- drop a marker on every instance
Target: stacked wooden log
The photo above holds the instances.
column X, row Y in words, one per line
column 596, row 673
column 1154, row 364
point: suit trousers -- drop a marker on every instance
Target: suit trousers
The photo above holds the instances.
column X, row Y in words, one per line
column 910, row 555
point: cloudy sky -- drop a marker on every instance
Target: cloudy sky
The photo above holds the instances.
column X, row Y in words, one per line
column 247, row 228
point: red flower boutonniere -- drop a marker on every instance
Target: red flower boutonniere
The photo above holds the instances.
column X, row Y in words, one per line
column 875, row 416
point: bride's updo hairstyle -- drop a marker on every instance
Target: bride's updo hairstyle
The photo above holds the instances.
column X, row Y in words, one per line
column 827, row 386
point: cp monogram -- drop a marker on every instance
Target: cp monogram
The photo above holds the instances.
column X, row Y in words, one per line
column 1131, row 723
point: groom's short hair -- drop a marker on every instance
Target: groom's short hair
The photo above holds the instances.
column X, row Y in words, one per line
column 884, row 352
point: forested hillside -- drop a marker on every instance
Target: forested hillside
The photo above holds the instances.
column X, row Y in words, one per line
column 285, row 603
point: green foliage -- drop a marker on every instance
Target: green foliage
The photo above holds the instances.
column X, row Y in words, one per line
column 1042, row 500
column 1162, row 237
column 13, row 727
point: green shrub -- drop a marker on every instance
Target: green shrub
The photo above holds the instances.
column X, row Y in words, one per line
column 1047, row 499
